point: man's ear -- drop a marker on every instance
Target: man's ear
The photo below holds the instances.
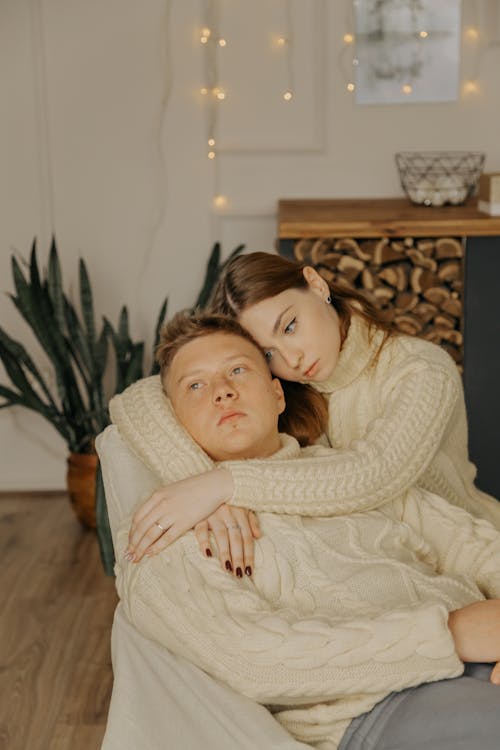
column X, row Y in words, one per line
column 315, row 282
column 280, row 396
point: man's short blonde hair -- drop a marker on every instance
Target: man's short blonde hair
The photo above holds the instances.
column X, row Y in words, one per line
column 185, row 327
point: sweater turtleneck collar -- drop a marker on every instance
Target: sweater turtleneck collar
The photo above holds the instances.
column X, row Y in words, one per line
column 355, row 355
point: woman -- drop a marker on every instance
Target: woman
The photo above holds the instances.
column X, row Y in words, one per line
column 342, row 611
column 396, row 410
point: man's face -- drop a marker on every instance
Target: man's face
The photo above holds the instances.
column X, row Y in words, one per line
column 224, row 395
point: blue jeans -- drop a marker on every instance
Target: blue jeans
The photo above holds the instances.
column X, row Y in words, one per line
column 458, row 714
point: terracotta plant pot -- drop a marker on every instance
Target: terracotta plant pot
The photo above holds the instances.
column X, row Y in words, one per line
column 80, row 480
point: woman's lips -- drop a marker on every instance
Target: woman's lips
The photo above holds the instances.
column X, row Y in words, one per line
column 230, row 415
column 312, row 370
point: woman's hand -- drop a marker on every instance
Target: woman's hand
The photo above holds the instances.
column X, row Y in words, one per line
column 173, row 510
column 476, row 631
column 234, row 530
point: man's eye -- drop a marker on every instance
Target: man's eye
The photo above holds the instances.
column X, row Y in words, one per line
column 238, row 370
column 290, row 328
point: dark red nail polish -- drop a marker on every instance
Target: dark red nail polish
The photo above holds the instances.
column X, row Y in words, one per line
column 248, row 570
column 239, row 572
column 229, row 566
column 208, row 552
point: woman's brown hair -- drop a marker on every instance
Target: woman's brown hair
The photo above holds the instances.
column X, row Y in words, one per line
column 306, row 418
column 249, row 279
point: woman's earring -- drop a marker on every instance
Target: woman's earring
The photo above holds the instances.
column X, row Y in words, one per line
column 328, row 300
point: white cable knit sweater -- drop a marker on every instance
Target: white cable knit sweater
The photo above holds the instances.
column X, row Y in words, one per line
column 393, row 424
column 339, row 612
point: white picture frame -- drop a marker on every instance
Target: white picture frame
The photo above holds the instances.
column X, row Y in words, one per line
column 407, row 51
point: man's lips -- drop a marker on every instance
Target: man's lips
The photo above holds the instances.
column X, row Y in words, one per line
column 308, row 373
column 230, row 415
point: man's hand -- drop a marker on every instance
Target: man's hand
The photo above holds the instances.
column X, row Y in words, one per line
column 173, row 510
column 234, row 530
column 476, row 631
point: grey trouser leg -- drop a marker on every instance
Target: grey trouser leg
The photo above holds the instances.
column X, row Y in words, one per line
column 458, row 714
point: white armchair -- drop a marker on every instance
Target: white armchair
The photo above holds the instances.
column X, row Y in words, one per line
column 160, row 701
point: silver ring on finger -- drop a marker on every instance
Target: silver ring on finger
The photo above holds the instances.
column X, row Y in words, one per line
column 160, row 527
column 234, row 527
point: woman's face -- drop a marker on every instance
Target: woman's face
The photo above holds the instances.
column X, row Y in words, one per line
column 298, row 331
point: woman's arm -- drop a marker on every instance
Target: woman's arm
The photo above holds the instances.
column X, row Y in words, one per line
column 419, row 401
column 273, row 655
column 193, row 489
column 398, row 446
column 463, row 544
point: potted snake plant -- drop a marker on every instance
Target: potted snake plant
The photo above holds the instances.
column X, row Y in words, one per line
column 75, row 399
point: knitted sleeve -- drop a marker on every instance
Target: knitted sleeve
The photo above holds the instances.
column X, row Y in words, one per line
column 465, row 545
column 273, row 655
column 416, row 408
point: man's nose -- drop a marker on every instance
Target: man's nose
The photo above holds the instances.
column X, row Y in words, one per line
column 224, row 390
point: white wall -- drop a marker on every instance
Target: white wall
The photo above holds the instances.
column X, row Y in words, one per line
column 103, row 140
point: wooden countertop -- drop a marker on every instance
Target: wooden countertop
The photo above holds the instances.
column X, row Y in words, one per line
column 382, row 217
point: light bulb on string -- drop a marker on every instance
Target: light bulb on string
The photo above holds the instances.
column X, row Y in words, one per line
column 220, row 201
column 205, row 35
column 287, row 96
column 472, row 33
column 204, row 91
column 423, row 34
column 407, row 89
column 348, row 38
column 211, row 154
column 211, row 141
column 350, row 87
column 280, row 41
column 471, row 87
column 222, row 42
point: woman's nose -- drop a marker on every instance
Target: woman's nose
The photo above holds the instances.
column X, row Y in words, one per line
column 293, row 358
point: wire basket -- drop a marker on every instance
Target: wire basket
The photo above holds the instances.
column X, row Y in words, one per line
column 435, row 178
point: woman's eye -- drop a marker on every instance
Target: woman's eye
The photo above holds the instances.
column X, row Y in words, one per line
column 194, row 386
column 238, row 370
column 290, row 328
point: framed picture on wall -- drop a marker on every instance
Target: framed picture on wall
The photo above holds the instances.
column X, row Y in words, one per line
column 407, row 50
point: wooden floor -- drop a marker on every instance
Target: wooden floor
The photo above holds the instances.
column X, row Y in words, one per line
column 56, row 612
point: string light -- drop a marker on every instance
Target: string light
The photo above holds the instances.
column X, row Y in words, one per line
column 284, row 42
column 407, row 89
column 350, row 87
column 471, row 87
column 220, row 201
column 472, row 33
column 423, row 34
column 213, row 93
column 348, row 38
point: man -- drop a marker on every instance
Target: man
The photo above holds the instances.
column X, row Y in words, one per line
column 340, row 613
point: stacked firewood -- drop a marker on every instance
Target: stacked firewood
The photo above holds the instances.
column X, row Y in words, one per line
column 416, row 283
